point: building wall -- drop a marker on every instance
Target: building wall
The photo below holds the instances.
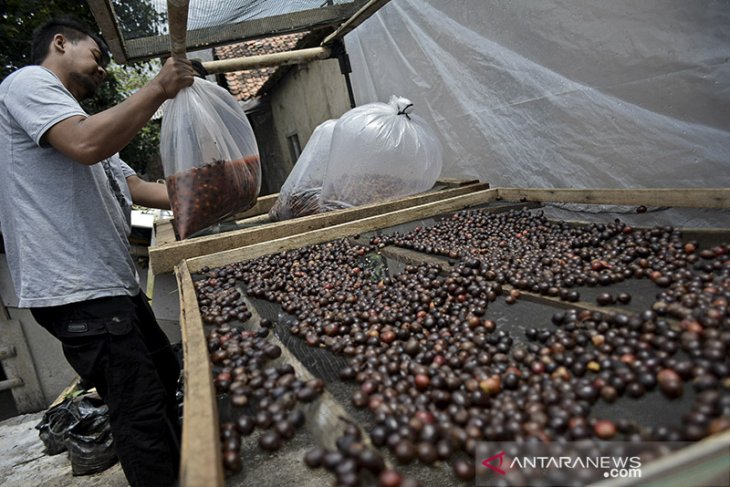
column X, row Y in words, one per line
column 53, row 372
column 307, row 96
column 273, row 168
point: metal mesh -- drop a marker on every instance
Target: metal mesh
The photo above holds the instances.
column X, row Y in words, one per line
column 138, row 29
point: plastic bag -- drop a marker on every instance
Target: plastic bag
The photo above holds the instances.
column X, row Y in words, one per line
column 300, row 193
column 209, row 155
column 54, row 426
column 381, row 151
column 81, row 426
column 90, row 443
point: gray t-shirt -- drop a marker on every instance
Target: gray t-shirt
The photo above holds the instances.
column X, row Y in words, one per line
column 65, row 224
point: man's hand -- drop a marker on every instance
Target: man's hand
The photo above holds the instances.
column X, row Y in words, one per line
column 175, row 75
column 150, row 195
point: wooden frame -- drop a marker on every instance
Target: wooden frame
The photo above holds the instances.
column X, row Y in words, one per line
column 130, row 50
column 167, row 251
column 198, row 466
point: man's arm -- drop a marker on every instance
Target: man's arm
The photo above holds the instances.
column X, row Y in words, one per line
column 151, row 195
column 89, row 140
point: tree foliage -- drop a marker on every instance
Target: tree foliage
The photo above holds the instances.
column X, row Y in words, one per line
column 18, row 18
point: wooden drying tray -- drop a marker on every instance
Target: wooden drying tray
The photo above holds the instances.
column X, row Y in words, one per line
column 201, row 462
column 167, row 251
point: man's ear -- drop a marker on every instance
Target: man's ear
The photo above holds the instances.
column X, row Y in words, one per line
column 59, row 43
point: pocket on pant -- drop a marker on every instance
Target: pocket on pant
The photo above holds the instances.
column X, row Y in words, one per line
column 91, row 327
column 86, row 341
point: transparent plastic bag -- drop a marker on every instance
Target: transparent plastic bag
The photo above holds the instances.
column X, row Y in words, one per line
column 300, row 193
column 381, row 151
column 209, row 155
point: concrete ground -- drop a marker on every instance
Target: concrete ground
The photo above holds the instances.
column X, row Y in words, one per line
column 23, row 463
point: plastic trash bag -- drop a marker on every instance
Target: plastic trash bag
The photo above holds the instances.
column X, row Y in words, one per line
column 91, row 445
column 54, row 426
column 381, row 151
column 209, row 155
column 81, row 426
column 300, row 193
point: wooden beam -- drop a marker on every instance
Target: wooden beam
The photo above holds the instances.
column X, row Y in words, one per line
column 673, row 197
column 177, row 16
column 299, row 56
column 208, row 37
column 200, row 462
column 341, row 230
column 164, row 258
column 358, row 18
column 263, row 205
column 409, row 256
column 165, row 233
column 103, row 12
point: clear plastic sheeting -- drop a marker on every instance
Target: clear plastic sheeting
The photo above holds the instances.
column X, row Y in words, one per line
column 208, row 13
column 559, row 93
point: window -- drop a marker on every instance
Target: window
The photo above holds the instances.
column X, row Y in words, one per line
column 294, row 148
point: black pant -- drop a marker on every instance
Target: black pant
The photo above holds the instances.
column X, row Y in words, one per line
column 116, row 345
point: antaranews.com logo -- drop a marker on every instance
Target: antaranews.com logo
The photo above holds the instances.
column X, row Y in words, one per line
column 585, row 462
column 611, row 466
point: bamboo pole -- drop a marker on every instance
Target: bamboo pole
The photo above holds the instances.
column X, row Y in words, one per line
column 357, row 18
column 299, row 56
column 177, row 14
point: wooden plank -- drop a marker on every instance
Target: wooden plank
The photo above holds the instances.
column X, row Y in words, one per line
column 28, row 397
column 163, row 258
column 177, row 19
column 358, row 18
column 164, row 232
column 408, row 256
column 207, row 37
column 262, row 206
column 103, row 12
column 343, row 229
column 200, row 461
column 673, row 197
column 454, row 183
column 254, row 220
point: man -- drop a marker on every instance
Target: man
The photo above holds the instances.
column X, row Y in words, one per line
column 65, row 207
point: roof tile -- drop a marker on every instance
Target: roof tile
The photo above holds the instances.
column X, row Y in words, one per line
column 245, row 84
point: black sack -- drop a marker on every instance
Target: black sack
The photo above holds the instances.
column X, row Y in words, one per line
column 81, row 426
column 91, row 445
column 53, row 428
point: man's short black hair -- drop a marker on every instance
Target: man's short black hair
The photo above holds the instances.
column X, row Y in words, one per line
column 71, row 28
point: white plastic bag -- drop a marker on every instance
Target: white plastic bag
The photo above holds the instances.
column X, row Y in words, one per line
column 209, row 155
column 300, row 193
column 381, row 151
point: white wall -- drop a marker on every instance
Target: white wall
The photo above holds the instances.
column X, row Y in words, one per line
column 307, row 96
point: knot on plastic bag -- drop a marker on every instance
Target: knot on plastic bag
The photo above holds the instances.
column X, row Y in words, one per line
column 403, row 106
